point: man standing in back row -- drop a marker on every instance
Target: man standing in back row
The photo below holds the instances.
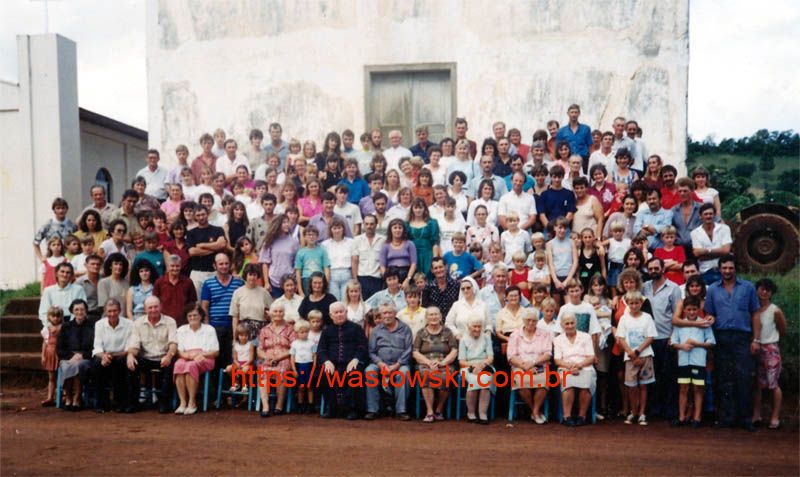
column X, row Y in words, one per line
column 579, row 136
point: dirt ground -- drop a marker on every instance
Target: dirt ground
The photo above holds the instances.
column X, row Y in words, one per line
column 37, row 441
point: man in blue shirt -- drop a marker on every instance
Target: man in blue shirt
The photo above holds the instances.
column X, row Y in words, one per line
column 651, row 221
column 579, row 136
column 461, row 264
column 421, row 148
column 517, row 164
column 215, row 298
column 737, row 328
column 556, row 201
column 277, row 145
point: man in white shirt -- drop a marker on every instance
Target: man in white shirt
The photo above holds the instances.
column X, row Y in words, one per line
column 228, row 163
column 366, row 250
column 155, row 175
column 709, row 242
column 517, row 201
column 620, row 139
column 111, row 335
column 604, row 155
column 350, row 212
column 639, row 151
column 396, row 151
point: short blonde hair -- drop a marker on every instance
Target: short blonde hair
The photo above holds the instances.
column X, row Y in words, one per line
column 617, row 225
column 549, row 303
column 314, row 314
column 634, row 295
column 302, row 325
column 518, row 255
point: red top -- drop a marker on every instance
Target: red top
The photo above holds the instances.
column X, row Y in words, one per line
column 520, row 277
column 676, row 254
column 670, row 199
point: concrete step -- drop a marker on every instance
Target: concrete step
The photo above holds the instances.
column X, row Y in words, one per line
column 23, row 306
column 20, row 324
column 21, row 342
column 20, row 361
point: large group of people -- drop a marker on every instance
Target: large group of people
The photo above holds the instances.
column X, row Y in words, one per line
column 579, row 252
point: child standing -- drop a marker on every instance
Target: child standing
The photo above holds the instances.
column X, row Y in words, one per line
column 548, row 321
column 459, row 263
column 617, row 246
column 539, row 273
column 242, row 358
column 539, row 245
column 691, row 343
column 514, row 239
column 72, row 246
column 315, row 321
column 562, row 259
column 152, row 254
column 79, row 261
column 773, row 326
column 495, row 259
column 55, row 255
column 303, row 353
column 519, row 274
column 597, row 296
column 591, row 258
column 310, row 259
column 672, row 256
column 636, row 332
column 55, row 315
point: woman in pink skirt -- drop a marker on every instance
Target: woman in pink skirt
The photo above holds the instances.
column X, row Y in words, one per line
column 274, row 342
column 197, row 348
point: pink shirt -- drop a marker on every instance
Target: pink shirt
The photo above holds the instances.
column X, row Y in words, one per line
column 521, row 347
column 171, row 208
column 309, row 209
column 581, row 349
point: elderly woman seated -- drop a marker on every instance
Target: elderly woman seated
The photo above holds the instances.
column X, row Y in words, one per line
column 529, row 351
column 475, row 356
column 197, row 348
column 274, row 344
column 74, row 348
column 435, row 350
column 574, row 356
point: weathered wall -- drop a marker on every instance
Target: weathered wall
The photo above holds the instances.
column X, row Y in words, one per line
column 242, row 64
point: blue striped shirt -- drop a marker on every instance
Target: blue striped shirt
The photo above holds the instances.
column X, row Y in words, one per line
column 219, row 299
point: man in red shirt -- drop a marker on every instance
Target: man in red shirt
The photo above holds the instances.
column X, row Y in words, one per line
column 669, row 191
column 175, row 291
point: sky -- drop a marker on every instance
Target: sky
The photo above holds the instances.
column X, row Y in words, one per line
column 744, row 69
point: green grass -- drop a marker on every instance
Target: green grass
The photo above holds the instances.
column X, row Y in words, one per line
column 788, row 299
column 29, row 290
column 761, row 180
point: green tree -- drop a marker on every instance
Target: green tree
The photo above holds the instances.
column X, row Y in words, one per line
column 789, row 181
column 767, row 162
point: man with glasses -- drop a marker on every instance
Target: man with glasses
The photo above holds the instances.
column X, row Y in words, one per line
column 127, row 213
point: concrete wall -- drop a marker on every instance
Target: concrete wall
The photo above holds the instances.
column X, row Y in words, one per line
column 242, row 64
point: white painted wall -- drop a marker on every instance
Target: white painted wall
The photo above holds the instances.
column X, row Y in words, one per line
column 238, row 65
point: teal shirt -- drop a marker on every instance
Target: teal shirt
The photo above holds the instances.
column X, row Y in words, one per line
column 310, row 260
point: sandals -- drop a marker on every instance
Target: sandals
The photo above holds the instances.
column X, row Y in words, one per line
column 438, row 416
column 774, row 425
column 428, row 419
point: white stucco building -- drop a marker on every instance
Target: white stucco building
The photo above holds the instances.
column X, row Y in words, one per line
column 335, row 64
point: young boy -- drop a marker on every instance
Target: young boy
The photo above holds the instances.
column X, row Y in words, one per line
column 303, row 353
column 636, row 331
column 539, row 294
column 691, row 343
column 773, row 327
column 315, row 321
column 72, row 246
column 539, row 273
column 514, row 239
column 673, row 256
column 461, row 264
column 518, row 275
column 152, row 254
column 350, row 211
column 310, row 259
column 616, row 245
column 79, row 261
column 562, row 259
column 175, row 175
column 495, row 259
column 548, row 321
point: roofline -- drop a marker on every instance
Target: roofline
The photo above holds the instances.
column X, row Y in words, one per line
column 113, row 124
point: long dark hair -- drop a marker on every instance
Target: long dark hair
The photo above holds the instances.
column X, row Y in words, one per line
column 337, row 151
column 245, row 221
column 419, row 201
column 142, row 263
column 82, row 222
column 275, row 230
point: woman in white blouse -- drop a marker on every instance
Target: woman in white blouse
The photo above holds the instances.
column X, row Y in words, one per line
column 338, row 249
column 197, row 349
column 290, row 299
column 355, row 303
column 574, row 353
column 467, row 307
column 485, row 194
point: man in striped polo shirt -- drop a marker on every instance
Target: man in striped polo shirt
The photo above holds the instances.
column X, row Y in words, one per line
column 215, row 298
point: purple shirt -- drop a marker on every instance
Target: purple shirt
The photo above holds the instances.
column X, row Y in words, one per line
column 280, row 258
column 402, row 257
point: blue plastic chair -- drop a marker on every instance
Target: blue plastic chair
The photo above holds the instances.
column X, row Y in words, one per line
column 85, row 389
column 592, row 409
column 150, row 392
column 224, row 391
column 462, row 399
column 273, row 394
column 513, row 403
column 418, row 398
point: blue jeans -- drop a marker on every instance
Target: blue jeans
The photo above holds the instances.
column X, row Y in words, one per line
column 339, row 279
column 735, row 369
column 399, row 393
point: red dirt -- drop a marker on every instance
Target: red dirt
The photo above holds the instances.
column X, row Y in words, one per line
column 49, row 441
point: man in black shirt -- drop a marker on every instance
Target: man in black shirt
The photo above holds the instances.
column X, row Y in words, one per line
column 203, row 241
column 442, row 291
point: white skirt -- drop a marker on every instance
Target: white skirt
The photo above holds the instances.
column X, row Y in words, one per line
column 586, row 379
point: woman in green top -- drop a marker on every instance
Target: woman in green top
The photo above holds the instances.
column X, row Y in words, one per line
column 424, row 232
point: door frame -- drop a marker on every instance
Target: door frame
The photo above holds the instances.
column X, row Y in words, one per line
column 370, row 70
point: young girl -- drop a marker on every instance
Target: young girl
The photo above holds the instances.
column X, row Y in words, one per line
column 244, row 254
column 337, row 248
column 597, row 296
column 514, row 240
column 482, row 233
column 303, row 353
column 672, row 256
column 55, row 316
column 548, row 321
column 288, row 197
column 55, row 249
column 591, row 258
column 617, row 246
column 372, row 318
column 519, row 274
column 240, row 193
column 355, row 303
column 538, row 273
column 424, row 187
column 72, row 246
column 243, row 353
column 773, row 327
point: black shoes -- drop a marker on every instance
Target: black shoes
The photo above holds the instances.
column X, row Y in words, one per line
column 370, row 416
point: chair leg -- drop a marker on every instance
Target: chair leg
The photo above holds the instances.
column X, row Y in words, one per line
column 289, row 396
column 219, row 388
column 491, row 407
column 511, row 403
column 321, row 405
column 546, row 407
column 58, row 387
column 205, row 391
column 594, row 408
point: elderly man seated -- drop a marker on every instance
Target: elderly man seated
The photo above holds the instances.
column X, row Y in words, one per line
column 390, row 346
column 111, row 335
column 342, row 349
column 152, row 348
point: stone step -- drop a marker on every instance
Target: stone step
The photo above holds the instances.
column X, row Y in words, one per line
column 21, row 361
column 23, row 306
column 20, row 324
column 21, row 342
